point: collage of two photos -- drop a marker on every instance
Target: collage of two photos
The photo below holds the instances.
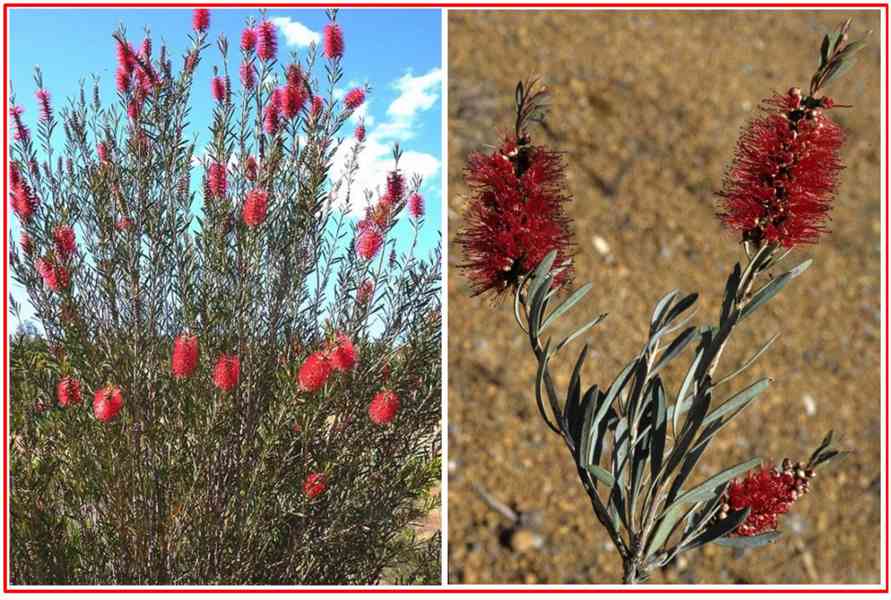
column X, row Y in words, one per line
column 445, row 299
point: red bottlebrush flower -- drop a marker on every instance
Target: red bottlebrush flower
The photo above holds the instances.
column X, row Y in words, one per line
column 248, row 39
column 134, row 108
column 146, row 50
column 314, row 372
column 124, row 224
column 780, row 186
column 23, row 201
column 66, row 243
column 250, row 168
column 343, row 356
column 395, row 186
column 201, row 19
column 416, row 206
column 360, row 132
column 365, row 292
column 102, row 151
column 333, row 43
column 218, row 89
column 317, row 105
column 255, row 206
column 107, row 403
column 369, row 243
column 122, row 80
column 515, row 216
column 768, row 493
column 248, row 75
column 21, row 131
column 68, row 391
column 15, row 176
column 292, row 100
column 315, row 484
column 43, row 103
column 55, row 277
column 27, row 243
column 184, row 360
column 383, row 407
column 226, row 371
column 354, row 98
column 216, row 179
column 272, row 113
column 191, row 61
column 295, row 77
column 267, row 42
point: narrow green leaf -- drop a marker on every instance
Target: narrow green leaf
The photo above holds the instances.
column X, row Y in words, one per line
column 676, row 347
column 580, row 331
column 717, row 529
column 661, row 308
column 602, row 475
column 706, row 490
column 566, row 305
column 755, row 541
column 772, row 289
column 663, row 530
column 749, row 362
column 680, row 404
column 660, row 427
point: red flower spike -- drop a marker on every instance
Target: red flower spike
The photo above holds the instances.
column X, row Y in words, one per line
column 124, row 224
column 314, row 372
column 21, row 131
column 365, row 292
column 45, row 111
column 383, row 407
column 333, row 42
column 315, row 484
column 395, row 186
column 65, row 241
column 27, row 243
column 184, row 359
column 292, row 100
column 216, row 179
column 255, row 206
column 782, row 181
column 515, row 216
column 343, row 357
column 102, row 152
column 768, row 493
column 248, row 39
column 248, row 75
column 23, row 201
column 360, row 133
column 201, row 19
column 54, row 276
column 354, row 98
column 107, row 403
column 218, row 88
column 68, row 391
column 267, row 42
column 226, row 372
column 317, row 105
column 416, row 206
column 250, row 168
column 122, row 80
column 369, row 242
column 272, row 112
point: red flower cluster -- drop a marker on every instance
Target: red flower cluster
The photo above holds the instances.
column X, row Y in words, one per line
column 365, row 292
column 780, row 186
column 369, row 242
column 250, row 168
column 395, row 186
column 333, row 43
column 219, row 89
column 383, row 407
column 768, row 493
column 316, row 108
column 185, row 356
column 102, row 151
column 68, row 391
column 22, row 199
column 416, row 206
column 107, row 403
column 226, row 372
column 21, row 132
column 293, row 95
column 27, row 243
column 216, row 179
column 267, row 42
column 515, row 216
column 272, row 112
column 124, row 224
column 55, row 276
column 248, row 39
column 317, row 368
column 354, row 98
column 255, row 206
column 315, row 484
column 314, row 372
column 360, row 132
column 43, row 103
column 65, row 242
column 248, row 75
column 201, row 19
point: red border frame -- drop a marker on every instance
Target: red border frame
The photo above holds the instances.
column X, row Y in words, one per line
column 449, row 589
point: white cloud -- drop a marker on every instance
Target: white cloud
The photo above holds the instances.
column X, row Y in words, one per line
column 295, row 32
column 415, row 94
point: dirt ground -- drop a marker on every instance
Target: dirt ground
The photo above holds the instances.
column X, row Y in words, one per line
column 647, row 107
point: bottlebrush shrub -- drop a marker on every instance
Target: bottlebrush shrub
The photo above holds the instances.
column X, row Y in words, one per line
column 162, row 434
column 636, row 444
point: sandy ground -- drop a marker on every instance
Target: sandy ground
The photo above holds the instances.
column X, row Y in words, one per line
column 647, row 107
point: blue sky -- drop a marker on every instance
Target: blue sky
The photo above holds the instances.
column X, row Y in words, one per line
column 397, row 51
